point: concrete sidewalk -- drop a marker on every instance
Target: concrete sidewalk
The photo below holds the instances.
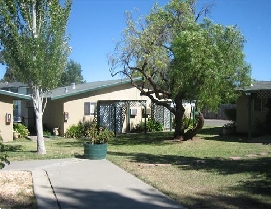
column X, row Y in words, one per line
column 81, row 183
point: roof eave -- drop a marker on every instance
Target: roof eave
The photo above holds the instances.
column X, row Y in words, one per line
column 16, row 95
column 93, row 89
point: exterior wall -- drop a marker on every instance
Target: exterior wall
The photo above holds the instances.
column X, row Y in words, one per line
column 242, row 115
column 6, row 106
column 53, row 116
column 258, row 117
column 74, row 106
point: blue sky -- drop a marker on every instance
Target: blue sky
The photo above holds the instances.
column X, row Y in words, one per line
column 95, row 26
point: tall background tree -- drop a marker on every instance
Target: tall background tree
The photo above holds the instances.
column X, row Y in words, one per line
column 35, row 45
column 181, row 55
column 9, row 75
column 72, row 74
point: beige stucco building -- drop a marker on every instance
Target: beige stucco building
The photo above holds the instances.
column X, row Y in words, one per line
column 251, row 107
column 6, row 112
column 69, row 105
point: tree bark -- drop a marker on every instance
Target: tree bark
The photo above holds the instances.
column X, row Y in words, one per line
column 40, row 140
column 37, row 98
column 193, row 132
column 179, row 127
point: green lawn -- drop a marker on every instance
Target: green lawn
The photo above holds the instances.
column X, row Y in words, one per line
column 209, row 172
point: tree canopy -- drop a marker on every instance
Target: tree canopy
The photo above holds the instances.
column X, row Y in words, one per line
column 33, row 40
column 182, row 55
column 35, row 46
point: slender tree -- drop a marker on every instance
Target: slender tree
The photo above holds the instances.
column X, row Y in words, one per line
column 181, row 55
column 35, row 45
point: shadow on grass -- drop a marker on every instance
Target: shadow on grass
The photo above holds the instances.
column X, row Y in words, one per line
column 70, row 142
column 258, row 168
column 13, row 148
column 212, row 200
column 261, row 165
column 211, row 131
column 156, row 138
column 123, row 139
column 215, row 134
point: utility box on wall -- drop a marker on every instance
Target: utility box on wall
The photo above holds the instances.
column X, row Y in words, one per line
column 66, row 116
column 133, row 112
column 8, row 118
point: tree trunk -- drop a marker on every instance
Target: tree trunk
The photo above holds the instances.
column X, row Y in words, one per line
column 193, row 132
column 37, row 97
column 179, row 127
column 40, row 140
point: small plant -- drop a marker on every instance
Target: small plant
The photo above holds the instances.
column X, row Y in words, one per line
column 21, row 129
column 47, row 133
column 231, row 125
column 99, row 135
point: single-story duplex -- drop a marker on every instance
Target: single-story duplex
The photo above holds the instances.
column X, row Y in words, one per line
column 6, row 114
column 119, row 102
column 251, row 107
column 69, row 105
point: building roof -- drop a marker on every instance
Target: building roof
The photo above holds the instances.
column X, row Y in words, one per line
column 12, row 85
column 15, row 95
column 258, row 86
column 63, row 92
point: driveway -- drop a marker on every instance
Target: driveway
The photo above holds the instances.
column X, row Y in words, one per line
column 215, row 122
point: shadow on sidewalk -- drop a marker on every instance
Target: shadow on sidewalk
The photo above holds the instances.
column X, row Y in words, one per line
column 82, row 198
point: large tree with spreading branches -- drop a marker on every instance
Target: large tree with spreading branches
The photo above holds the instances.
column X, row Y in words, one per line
column 35, row 46
column 181, row 55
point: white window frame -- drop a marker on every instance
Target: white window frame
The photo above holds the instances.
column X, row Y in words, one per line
column 91, row 108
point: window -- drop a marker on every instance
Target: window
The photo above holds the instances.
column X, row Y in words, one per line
column 259, row 104
column 89, row 108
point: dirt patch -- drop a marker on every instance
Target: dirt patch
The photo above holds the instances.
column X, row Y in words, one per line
column 17, row 190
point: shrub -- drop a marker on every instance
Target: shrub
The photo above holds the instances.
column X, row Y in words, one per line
column 140, row 127
column 21, row 129
column 187, row 122
column 74, row 131
column 152, row 126
column 89, row 129
column 230, row 125
column 3, row 156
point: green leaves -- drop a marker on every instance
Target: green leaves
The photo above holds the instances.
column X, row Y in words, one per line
column 3, row 155
column 34, row 40
column 182, row 56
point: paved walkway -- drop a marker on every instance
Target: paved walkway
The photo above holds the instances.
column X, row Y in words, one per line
column 81, row 183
